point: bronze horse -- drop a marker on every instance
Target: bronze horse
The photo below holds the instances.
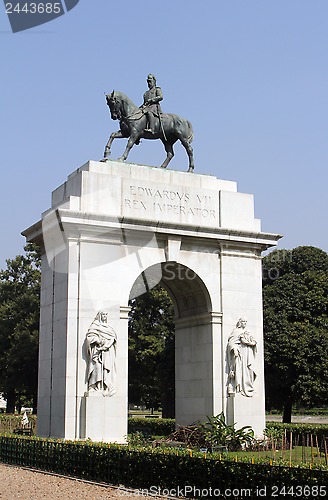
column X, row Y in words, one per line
column 133, row 122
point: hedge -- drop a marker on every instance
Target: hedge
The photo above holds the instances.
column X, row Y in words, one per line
column 319, row 430
column 152, row 426
column 156, row 468
column 165, row 426
column 147, row 426
column 311, row 411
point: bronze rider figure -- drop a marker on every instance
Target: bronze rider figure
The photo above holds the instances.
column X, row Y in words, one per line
column 152, row 97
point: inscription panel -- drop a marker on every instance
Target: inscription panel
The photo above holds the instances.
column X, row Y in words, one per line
column 167, row 203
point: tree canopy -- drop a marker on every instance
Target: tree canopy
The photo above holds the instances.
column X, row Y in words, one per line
column 295, row 306
column 296, row 261
column 19, row 327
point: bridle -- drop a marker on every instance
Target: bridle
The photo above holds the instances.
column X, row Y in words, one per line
column 118, row 111
column 114, row 108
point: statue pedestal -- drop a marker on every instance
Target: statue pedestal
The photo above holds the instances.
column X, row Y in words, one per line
column 243, row 410
column 101, row 420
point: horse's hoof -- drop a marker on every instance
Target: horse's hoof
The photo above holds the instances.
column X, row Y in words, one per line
column 104, row 160
column 191, row 169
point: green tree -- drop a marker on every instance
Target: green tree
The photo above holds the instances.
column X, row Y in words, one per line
column 295, row 300
column 19, row 328
column 296, row 261
column 151, row 351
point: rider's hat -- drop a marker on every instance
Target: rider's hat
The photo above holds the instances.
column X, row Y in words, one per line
column 151, row 77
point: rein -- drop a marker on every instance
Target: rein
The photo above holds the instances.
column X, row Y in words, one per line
column 134, row 113
column 131, row 116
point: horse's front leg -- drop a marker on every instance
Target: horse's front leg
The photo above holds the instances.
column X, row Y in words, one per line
column 131, row 142
column 114, row 135
column 169, row 153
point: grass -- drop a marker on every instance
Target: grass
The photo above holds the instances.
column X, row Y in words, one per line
column 297, row 455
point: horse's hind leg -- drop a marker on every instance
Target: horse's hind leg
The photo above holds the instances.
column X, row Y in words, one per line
column 169, row 153
column 190, row 153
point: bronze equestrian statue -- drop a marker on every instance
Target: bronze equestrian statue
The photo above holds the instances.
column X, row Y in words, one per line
column 148, row 122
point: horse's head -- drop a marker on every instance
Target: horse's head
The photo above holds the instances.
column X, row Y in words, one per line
column 114, row 105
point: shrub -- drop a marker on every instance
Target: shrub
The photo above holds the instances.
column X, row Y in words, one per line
column 278, row 429
column 151, row 427
column 218, row 433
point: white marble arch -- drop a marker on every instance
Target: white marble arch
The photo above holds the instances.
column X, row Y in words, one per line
column 111, row 223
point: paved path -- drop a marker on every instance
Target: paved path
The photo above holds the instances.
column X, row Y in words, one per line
column 19, row 483
column 300, row 419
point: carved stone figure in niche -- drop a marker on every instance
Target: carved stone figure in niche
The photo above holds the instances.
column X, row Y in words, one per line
column 241, row 352
column 101, row 342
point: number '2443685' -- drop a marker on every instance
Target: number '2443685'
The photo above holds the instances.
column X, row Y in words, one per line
column 33, row 8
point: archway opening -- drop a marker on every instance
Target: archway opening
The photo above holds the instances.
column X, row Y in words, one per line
column 171, row 310
column 151, row 352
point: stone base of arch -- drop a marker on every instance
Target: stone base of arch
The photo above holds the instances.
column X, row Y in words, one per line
column 115, row 230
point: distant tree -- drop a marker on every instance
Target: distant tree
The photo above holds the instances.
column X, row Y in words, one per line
column 295, row 261
column 295, row 305
column 19, row 328
column 151, row 351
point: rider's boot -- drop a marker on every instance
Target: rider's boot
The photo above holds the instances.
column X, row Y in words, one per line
column 150, row 128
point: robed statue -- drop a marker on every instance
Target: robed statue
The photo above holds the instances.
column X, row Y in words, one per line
column 241, row 351
column 148, row 122
column 101, row 342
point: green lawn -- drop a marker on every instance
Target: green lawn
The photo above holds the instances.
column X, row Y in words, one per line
column 298, row 455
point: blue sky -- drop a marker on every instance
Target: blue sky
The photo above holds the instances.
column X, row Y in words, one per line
column 251, row 76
